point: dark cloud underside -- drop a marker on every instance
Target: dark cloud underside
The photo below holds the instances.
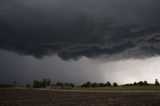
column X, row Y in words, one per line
column 75, row 28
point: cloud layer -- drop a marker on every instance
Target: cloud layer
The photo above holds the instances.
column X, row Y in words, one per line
column 75, row 28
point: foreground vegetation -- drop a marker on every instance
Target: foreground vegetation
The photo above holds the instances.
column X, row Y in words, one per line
column 4, row 85
column 121, row 88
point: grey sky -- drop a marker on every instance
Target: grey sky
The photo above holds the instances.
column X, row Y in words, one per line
column 24, row 69
column 69, row 40
column 74, row 28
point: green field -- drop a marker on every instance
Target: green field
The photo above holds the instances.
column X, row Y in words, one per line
column 122, row 88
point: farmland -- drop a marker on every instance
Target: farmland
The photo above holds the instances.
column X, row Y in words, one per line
column 33, row 97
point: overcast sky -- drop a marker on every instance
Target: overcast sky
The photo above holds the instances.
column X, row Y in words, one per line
column 79, row 40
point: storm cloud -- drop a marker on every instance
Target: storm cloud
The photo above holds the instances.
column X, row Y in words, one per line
column 72, row 29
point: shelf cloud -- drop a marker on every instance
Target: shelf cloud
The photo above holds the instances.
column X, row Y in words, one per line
column 72, row 29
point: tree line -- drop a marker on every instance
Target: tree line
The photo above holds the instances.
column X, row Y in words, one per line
column 108, row 84
column 143, row 83
column 5, row 85
column 89, row 85
column 47, row 82
column 41, row 84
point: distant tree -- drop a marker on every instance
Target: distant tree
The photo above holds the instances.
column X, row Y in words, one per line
column 145, row 83
column 128, row 84
column 108, row 84
column 66, row 84
column 41, row 84
column 140, row 83
column 86, row 85
column 101, row 85
column 94, row 85
column 83, row 85
column 71, row 84
column 37, row 84
column 28, row 86
column 46, row 82
column 59, row 84
column 115, row 84
column 156, row 82
column 135, row 83
column 15, row 83
column 6, row 85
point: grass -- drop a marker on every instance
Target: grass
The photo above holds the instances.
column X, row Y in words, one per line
column 149, row 88
column 122, row 88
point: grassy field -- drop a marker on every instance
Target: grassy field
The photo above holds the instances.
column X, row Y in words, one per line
column 34, row 97
column 123, row 88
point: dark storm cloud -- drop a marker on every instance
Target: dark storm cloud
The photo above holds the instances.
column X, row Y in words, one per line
column 75, row 28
